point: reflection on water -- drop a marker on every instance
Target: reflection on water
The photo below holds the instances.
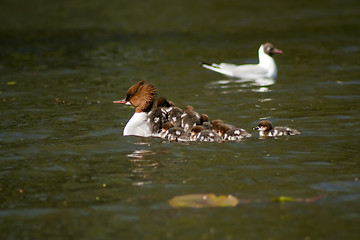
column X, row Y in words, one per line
column 143, row 169
column 140, row 154
column 242, row 85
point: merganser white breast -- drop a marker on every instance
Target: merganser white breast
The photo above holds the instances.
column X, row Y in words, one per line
column 138, row 125
column 266, row 129
column 266, row 68
column 141, row 95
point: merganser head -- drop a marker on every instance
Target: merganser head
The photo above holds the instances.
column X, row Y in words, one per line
column 216, row 124
column 141, row 95
column 223, row 129
column 189, row 109
column 264, row 125
column 270, row 50
column 162, row 102
column 204, row 118
column 195, row 130
column 166, row 126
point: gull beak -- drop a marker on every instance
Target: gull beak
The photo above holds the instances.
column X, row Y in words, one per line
column 277, row 51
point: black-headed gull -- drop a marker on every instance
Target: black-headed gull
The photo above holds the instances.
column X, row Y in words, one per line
column 266, row 68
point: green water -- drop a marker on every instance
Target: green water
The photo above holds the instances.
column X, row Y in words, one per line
column 66, row 171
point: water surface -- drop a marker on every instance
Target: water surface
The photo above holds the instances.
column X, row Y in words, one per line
column 67, row 172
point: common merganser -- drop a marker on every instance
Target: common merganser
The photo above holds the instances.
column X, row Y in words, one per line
column 266, row 129
column 198, row 133
column 141, row 95
column 161, row 102
column 233, row 134
column 172, row 133
column 156, row 118
column 266, row 68
column 217, row 124
column 204, row 118
column 207, row 126
column 175, row 114
column 190, row 118
column 159, row 115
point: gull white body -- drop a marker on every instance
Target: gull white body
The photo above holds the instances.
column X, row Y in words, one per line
column 266, row 68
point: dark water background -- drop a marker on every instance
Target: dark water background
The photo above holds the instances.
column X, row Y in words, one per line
column 66, row 171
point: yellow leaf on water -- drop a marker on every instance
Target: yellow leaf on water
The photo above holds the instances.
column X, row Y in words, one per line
column 203, row 200
column 11, row 83
column 283, row 199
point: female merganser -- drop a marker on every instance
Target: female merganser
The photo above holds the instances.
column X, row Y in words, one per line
column 198, row 133
column 266, row 129
column 141, row 95
column 266, row 68
column 233, row 134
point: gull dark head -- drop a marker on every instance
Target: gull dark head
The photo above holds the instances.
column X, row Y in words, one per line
column 270, row 50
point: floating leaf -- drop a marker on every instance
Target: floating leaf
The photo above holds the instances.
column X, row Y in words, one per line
column 283, row 199
column 11, row 83
column 203, row 200
column 291, row 199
